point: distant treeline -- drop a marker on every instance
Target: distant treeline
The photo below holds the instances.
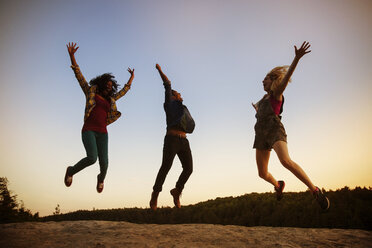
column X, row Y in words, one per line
column 349, row 209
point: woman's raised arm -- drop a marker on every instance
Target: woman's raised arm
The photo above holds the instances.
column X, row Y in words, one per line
column 72, row 48
column 299, row 53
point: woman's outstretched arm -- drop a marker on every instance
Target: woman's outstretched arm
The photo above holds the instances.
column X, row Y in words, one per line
column 72, row 48
column 298, row 55
column 126, row 87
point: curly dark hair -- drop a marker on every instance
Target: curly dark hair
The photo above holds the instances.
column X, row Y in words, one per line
column 102, row 80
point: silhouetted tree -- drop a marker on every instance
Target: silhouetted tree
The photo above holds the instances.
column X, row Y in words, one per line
column 8, row 202
column 10, row 209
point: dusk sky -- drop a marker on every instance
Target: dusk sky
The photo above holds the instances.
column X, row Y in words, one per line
column 216, row 54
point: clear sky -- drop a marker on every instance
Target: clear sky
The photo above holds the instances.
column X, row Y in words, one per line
column 216, row 53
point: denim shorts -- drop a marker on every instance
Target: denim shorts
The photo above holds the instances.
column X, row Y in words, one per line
column 268, row 132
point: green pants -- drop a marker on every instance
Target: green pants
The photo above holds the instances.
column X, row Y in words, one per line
column 96, row 145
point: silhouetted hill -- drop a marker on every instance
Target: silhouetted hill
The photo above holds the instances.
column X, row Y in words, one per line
column 349, row 209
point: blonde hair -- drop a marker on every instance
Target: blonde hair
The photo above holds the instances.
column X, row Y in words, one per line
column 276, row 75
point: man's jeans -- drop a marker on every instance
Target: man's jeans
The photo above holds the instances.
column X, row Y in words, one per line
column 174, row 145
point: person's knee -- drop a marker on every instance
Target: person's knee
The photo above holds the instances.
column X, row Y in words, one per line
column 262, row 174
column 287, row 163
column 103, row 162
column 91, row 159
column 189, row 170
column 165, row 167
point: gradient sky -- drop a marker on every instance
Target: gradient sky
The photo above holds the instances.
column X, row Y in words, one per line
column 216, row 53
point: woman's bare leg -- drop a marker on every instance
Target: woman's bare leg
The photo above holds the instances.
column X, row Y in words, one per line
column 262, row 159
column 281, row 149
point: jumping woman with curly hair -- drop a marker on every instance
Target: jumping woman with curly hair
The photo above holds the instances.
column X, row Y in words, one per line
column 100, row 111
column 270, row 132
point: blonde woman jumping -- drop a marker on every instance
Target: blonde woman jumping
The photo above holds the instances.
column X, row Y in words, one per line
column 270, row 132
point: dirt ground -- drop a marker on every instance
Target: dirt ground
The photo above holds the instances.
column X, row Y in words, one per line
column 104, row 234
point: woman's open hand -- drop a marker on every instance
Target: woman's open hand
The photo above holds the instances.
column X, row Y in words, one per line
column 71, row 48
column 303, row 50
column 131, row 71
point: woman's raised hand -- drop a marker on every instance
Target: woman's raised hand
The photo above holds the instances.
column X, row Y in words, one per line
column 71, row 48
column 303, row 50
column 131, row 71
